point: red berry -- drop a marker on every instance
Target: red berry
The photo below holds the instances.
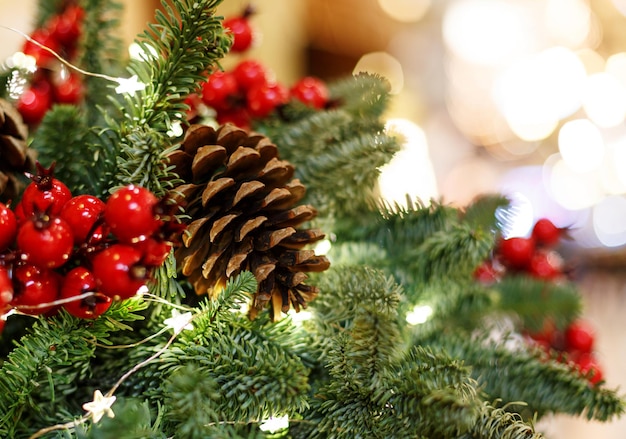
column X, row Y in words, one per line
column 261, row 101
column 546, row 233
column 46, row 242
column 236, row 116
column 119, row 272
column 84, row 214
column 8, row 227
column 129, row 212
column 250, row 73
column 69, row 91
column 219, row 89
column 579, row 336
column 241, row 30
column 154, row 251
column 6, row 288
column 546, row 264
column 79, row 281
column 311, row 91
column 42, row 56
column 516, row 253
column 45, row 194
column 66, row 28
column 35, row 286
column 589, row 367
column 33, row 105
column 486, row 273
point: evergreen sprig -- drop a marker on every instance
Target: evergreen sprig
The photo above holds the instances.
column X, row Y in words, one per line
column 47, row 364
column 186, row 41
column 535, row 301
column 347, row 142
column 496, row 422
column 513, row 375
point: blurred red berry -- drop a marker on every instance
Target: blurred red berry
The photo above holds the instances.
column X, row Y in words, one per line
column 242, row 32
column 579, row 336
column 250, row 73
column 219, row 89
column 261, row 101
column 311, row 91
column 516, row 253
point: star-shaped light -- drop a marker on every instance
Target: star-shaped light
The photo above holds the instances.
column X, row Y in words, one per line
column 100, row 406
column 179, row 321
column 129, row 85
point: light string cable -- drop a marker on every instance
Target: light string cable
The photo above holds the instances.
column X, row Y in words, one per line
column 124, row 84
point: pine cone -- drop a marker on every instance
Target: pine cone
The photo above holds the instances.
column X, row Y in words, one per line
column 242, row 202
column 15, row 156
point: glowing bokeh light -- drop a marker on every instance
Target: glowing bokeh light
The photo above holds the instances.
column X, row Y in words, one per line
column 573, row 190
column 620, row 5
column 535, row 93
column 517, row 218
column 616, row 67
column 410, row 172
column 384, row 64
column 419, row 315
column 489, row 32
column 568, row 21
column 406, row 11
column 274, row 424
column 618, row 160
column 604, row 100
column 581, row 145
column 609, row 221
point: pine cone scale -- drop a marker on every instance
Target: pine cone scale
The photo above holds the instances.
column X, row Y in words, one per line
column 244, row 217
column 16, row 157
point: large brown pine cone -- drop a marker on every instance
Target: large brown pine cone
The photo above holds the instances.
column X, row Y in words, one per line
column 242, row 202
column 15, row 156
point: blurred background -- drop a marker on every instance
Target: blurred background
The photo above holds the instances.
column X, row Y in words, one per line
column 521, row 97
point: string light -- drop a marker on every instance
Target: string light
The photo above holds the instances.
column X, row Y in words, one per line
column 124, row 85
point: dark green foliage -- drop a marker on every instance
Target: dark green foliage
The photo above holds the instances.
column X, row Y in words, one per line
column 371, row 385
column 337, row 152
column 48, row 363
column 534, row 301
column 356, row 369
column 63, row 139
column 520, row 374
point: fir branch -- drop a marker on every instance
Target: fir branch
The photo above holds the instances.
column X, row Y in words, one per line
column 48, row 362
column 454, row 254
column 61, row 139
column 186, row 40
column 347, row 141
column 511, row 375
column 431, row 385
column 481, row 213
column 134, row 419
column 534, row 301
column 99, row 51
column 497, row 423
column 455, row 306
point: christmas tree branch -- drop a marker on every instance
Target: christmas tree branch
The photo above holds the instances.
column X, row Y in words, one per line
column 497, row 423
column 185, row 42
column 511, row 375
column 49, row 361
column 534, row 301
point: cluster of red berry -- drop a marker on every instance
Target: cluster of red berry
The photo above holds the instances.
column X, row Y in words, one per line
column 249, row 90
column 534, row 255
column 575, row 346
column 51, row 82
column 79, row 251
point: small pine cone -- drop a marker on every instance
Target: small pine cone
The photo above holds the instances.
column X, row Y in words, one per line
column 241, row 199
column 15, row 156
